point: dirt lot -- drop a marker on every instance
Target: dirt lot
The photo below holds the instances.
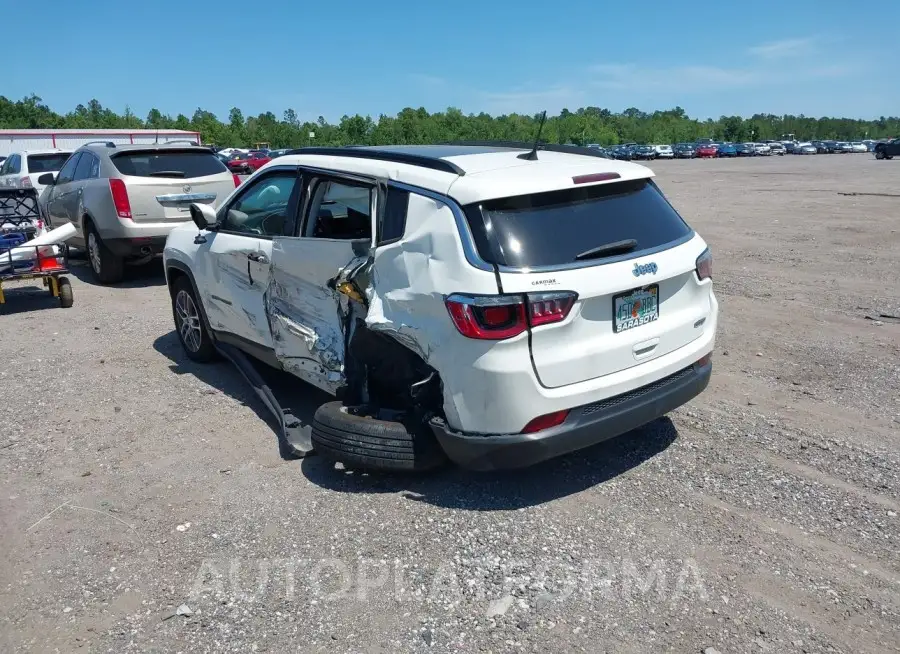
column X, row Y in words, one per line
column 763, row 517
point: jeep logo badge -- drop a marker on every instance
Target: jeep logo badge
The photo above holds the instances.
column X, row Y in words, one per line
column 647, row 268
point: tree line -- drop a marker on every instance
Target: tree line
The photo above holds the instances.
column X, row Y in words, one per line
column 410, row 126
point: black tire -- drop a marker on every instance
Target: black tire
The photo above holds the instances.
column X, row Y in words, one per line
column 879, row 154
column 201, row 350
column 66, row 299
column 360, row 441
column 107, row 267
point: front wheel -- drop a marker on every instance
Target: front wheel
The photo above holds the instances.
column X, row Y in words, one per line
column 879, row 154
column 189, row 323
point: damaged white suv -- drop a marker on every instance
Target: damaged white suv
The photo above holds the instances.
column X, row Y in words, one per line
column 492, row 304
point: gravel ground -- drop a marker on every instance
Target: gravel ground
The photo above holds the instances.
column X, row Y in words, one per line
column 145, row 507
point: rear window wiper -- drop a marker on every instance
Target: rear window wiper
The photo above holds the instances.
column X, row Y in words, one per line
column 167, row 173
column 608, row 250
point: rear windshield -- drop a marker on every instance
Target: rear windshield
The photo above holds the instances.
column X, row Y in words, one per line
column 47, row 163
column 548, row 229
column 179, row 164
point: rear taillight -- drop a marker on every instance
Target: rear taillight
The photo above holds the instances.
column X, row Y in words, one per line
column 544, row 308
column 704, row 265
column 25, row 182
column 546, row 422
column 237, row 180
column 120, row 198
column 488, row 317
column 497, row 317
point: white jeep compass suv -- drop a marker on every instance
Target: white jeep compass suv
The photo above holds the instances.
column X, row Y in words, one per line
column 490, row 303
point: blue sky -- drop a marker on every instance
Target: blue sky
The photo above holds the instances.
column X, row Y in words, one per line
column 816, row 57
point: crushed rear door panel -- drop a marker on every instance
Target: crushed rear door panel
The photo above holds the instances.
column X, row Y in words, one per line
column 307, row 315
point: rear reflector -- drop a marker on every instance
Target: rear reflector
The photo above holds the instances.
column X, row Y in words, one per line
column 705, row 361
column 47, row 264
column 546, row 422
column 595, row 177
column 120, row 198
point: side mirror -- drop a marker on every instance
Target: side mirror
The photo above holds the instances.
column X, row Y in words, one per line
column 47, row 179
column 203, row 215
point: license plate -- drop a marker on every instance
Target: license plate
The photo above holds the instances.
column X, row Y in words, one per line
column 635, row 308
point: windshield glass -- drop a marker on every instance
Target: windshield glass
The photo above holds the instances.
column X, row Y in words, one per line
column 47, row 163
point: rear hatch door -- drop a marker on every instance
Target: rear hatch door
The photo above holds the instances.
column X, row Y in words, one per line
column 162, row 183
column 626, row 253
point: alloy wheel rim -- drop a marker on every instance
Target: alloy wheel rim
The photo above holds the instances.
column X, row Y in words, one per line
column 188, row 321
column 94, row 252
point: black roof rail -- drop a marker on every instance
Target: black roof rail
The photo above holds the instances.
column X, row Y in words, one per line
column 108, row 144
column 522, row 145
column 422, row 160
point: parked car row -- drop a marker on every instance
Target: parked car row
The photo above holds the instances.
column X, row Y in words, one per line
column 245, row 163
column 707, row 148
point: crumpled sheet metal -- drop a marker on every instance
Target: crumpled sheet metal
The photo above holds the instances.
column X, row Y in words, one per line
column 409, row 281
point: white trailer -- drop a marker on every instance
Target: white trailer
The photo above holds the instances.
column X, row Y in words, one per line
column 16, row 140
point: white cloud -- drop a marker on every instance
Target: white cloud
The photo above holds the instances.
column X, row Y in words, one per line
column 530, row 100
column 785, row 48
column 683, row 78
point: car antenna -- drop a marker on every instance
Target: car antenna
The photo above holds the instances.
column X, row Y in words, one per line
column 156, row 142
column 532, row 156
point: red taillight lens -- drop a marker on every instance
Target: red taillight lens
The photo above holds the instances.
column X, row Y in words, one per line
column 237, row 180
column 704, row 265
column 120, row 198
column 25, row 182
column 497, row 317
column 544, row 308
column 546, row 422
column 491, row 317
column 704, row 361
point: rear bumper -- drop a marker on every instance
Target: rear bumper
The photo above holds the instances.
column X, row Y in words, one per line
column 136, row 247
column 585, row 426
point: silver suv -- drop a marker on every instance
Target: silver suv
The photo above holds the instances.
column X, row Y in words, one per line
column 124, row 200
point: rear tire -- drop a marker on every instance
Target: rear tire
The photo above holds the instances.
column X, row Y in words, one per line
column 360, row 441
column 107, row 267
column 879, row 154
column 66, row 298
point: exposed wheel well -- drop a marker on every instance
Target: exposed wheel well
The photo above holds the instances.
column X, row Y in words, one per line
column 390, row 373
column 173, row 274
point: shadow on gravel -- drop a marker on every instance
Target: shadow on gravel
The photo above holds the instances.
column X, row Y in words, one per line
column 149, row 274
column 449, row 487
column 225, row 377
column 26, row 296
column 502, row 491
